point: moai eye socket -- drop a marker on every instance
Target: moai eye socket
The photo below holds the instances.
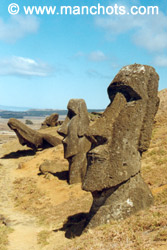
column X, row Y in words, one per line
column 71, row 114
column 129, row 93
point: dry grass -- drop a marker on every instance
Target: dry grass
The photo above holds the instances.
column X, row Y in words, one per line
column 4, row 231
column 145, row 230
column 29, row 198
column 43, row 238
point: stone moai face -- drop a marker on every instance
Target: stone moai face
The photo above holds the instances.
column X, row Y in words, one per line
column 76, row 145
column 118, row 139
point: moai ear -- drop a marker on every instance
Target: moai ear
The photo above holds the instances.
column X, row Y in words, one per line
column 83, row 119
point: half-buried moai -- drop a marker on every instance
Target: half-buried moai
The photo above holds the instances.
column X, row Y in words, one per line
column 76, row 145
column 118, row 140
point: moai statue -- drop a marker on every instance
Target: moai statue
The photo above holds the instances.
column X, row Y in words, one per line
column 32, row 138
column 76, row 145
column 118, row 139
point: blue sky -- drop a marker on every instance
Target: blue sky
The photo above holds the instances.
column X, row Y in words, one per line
column 45, row 60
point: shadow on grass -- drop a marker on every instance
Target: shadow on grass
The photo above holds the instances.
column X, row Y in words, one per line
column 18, row 154
column 75, row 225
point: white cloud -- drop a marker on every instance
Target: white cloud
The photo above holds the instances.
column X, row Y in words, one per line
column 25, row 67
column 160, row 61
column 94, row 56
column 17, row 27
column 148, row 31
column 97, row 56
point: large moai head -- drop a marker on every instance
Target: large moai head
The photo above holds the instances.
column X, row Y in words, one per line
column 76, row 145
column 118, row 139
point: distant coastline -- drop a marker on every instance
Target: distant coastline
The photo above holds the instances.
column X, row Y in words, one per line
column 6, row 114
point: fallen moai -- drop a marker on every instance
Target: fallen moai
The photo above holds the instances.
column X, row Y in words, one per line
column 30, row 137
column 118, row 139
column 76, row 145
column 50, row 121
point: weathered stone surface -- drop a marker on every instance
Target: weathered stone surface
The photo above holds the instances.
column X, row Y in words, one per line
column 93, row 116
column 76, row 145
column 118, row 139
column 30, row 137
column 52, row 167
column 47, row 167
column 120, row 202
column 50, row 121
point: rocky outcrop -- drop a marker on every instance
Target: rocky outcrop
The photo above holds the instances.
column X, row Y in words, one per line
column 32, row 138
column 118, row 139
column 50, row 121
column 76, row 145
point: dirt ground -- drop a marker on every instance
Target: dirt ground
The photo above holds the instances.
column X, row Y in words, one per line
column 33, row 203
column 36, row 206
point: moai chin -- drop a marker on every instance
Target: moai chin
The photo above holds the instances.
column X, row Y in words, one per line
column 76, row 145
column 118, row 140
